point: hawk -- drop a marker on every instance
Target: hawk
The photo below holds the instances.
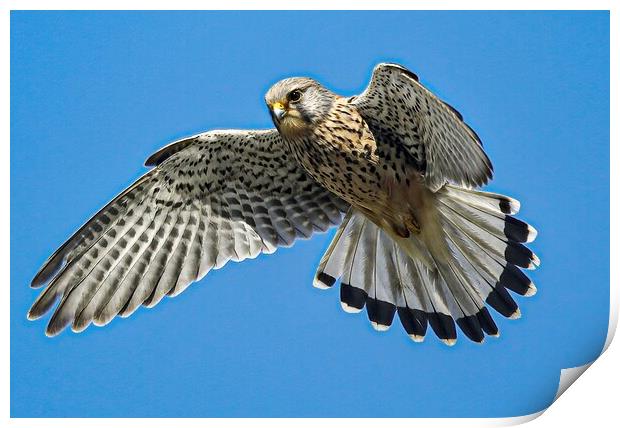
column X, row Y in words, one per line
column 395, row 168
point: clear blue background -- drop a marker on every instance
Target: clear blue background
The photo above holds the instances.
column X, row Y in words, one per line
column 92, row 94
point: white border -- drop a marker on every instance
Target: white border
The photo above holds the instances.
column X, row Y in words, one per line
column 594, row 401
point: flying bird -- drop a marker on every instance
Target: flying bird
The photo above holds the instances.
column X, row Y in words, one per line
column 395, row 168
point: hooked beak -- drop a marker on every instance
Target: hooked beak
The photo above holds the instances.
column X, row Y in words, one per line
column 278, row 111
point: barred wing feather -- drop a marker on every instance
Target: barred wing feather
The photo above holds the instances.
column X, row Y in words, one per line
column 406, row 116
column 211, row 198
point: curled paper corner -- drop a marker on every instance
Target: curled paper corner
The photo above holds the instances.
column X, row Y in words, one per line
column 568, row 377
column 518, row 420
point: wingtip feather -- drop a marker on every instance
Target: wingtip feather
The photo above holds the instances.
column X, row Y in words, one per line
column 416, row 338
column 379, row 327
column 47, row 272
column 531, row 291
column 532, row 234
column 350, row 309
column 32, row 317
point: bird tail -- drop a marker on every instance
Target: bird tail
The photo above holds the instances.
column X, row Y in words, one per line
column 470, row 256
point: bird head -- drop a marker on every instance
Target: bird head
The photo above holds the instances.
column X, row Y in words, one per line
column 298, row 104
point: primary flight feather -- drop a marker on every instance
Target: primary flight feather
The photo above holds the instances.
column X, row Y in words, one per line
column 395, row 167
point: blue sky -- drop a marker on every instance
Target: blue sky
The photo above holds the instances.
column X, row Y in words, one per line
column 93, row 94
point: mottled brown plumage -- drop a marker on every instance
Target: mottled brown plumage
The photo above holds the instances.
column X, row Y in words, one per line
column 341, row 153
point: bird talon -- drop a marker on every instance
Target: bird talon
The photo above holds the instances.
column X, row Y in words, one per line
column 412, row 225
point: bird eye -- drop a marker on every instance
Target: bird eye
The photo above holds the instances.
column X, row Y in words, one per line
column 294, row 96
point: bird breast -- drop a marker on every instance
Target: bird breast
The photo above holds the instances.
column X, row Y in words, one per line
column 342, row 155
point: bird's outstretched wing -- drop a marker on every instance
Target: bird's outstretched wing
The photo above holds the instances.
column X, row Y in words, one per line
column 215, row 197
column 400, row 111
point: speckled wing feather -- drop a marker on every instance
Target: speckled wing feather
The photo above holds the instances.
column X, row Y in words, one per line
column 215, row 197
column 402, row 112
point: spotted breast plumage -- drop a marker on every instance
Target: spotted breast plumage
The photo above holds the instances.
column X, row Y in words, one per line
column 395, row 168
